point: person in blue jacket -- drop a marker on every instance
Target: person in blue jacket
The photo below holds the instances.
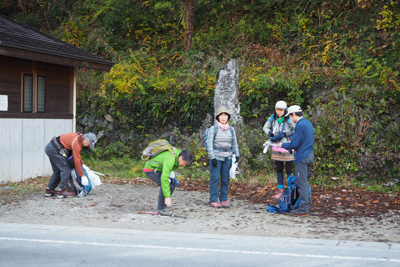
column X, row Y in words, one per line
column 303, row 145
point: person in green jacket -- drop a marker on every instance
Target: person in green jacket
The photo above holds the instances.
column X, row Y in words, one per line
column 160, row 168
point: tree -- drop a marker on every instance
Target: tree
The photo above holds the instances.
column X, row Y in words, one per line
column 189, row 9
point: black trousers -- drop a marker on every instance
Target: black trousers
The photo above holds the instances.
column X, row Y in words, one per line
column 288, row 165
column 156, row 177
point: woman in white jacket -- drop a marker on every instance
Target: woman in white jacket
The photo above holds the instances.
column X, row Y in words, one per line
column 279, row 128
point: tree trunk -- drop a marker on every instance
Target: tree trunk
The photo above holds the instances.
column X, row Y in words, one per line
column 21, row 6
column 189, row 8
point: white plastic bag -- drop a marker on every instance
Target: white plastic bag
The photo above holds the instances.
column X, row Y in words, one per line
column 93, row 178
column 233, row 170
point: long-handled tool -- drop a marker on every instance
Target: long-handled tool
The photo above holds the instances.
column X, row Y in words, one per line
column 154, row 213
column 240, row 172
column 145, row 212
column 98, row 173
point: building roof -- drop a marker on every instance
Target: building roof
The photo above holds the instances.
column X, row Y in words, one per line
column 23, row 41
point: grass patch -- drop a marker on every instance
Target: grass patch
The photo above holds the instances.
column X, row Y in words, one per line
column 12, row 191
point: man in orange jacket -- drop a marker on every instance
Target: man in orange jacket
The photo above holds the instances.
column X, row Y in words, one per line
column 58, row 150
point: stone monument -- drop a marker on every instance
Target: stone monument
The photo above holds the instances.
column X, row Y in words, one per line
column 227, row 90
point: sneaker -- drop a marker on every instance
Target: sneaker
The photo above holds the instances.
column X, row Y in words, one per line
column 165, row 212
column 216, row 204
column 225, row 204
column 65, row 193
column 50, row 192
column 299, row 213
column 278, row 194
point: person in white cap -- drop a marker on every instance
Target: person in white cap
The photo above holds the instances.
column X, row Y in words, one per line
column 58, row 150
column 279, row 129
column 303, row 144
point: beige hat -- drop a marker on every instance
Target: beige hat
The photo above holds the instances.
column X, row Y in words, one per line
column 221, row 110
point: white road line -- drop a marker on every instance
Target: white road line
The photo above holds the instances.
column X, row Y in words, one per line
column 202, row 249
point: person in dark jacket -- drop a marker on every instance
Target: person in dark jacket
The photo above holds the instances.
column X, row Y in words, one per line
column 58, row 149
column 303, row 144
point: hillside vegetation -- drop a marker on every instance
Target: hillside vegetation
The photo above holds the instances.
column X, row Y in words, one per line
column 337, row 59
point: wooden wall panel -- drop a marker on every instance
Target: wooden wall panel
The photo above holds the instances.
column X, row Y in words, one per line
column 11, row 70
column 58, row 87
column 5, row 150
column 58, row 84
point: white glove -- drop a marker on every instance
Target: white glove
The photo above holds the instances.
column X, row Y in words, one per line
column 84, row 180
column 172, row 174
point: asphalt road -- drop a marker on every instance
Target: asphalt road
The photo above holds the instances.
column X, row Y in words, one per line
column 49, row 245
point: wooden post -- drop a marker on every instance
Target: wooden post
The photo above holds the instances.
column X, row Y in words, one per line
column 74, row 101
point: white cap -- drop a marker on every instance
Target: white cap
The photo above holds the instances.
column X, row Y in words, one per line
column 281, row 105
column 293, row 109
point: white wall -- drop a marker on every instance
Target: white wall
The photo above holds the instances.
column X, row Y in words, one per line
column 22, row 144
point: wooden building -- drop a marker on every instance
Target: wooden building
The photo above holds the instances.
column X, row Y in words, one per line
column 37, row 96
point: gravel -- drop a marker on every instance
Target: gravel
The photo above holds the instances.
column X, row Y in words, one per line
column 118, row 206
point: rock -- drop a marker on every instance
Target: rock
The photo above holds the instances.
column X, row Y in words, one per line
column 124, row 137
column 80, row 128
column 227, row 90
column 102, row 123
column 395, row 114
column 83, row 120
column 153, row 137
column 110, row 127
column 111, row 136
column 91, row 120
column 109, row 117
column 172, row 140
column 100, row 135
column 117, row 125
column 165, row 134
column 207, row 122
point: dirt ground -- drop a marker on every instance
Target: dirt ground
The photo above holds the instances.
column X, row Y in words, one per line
column 118, row 206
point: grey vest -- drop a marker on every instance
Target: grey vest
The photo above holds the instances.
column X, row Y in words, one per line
column 223, row 140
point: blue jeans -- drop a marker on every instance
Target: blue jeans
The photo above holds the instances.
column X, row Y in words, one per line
column 222, row 170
